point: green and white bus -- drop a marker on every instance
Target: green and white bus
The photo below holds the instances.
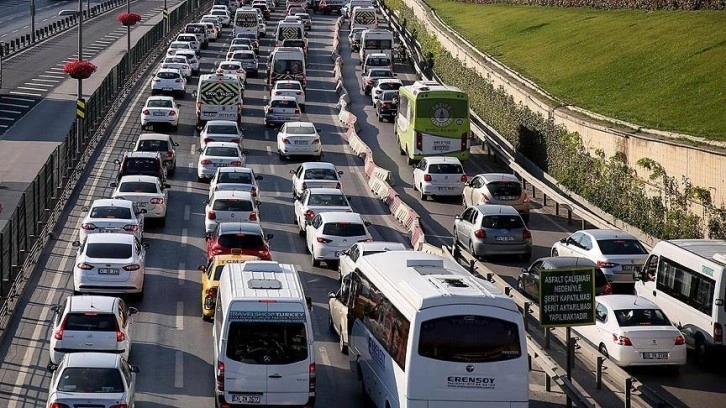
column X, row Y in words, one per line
column 432, row 120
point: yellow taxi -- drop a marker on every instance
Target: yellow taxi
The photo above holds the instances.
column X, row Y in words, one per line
column 210, row 279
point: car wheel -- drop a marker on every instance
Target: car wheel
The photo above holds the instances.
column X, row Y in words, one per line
column 554, row 252
column 341, row 343
column 604, row 350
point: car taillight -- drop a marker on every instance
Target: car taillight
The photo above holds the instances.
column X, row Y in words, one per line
column 680, row 341
column 132, row 267
column 131, row 228
column 88, row 226
column 58, row 335
column 605, row 264
column 622, row 340
column 480, row 233
column 309, row 214
column 464, row 178
column 172, row 113
column 236, row 163
column 146, row 112
column 311, row 377
column 324, row 240
column 427, row 177
column 253, row 216
column 220, row 376
column 717, row 333
column 464, row 138
column 527, row 234
column 608, row 289
column 206, row 161
column 419, row 141
column 84, row 266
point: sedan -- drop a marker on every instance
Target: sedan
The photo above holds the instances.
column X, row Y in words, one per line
column 290, row 88
column 487, row 230
column 220, row 131
column 160, row 110
column 314, row 174
column 94, row 379
column 110, row 215
column 528, row 281
column 146, row 192
column 178, row 62
column 328, row 234
column 109, row 263
column 618, row 253
column 281, row 109
column 368, row 78
column 299, row 139
column 633, row 331
column 219, row 154
column 317, row 200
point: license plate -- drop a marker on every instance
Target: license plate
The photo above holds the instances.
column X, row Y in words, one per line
column 504, row 238
column 655, row 356
column 247, row 399
column 158, row 113
column 107, row 271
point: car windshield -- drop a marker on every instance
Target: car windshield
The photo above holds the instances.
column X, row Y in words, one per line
column 222, row 129
column 155, row 145
column 111, row 212
column 283, row 103
column 300, row 130
column 221, row 151
column 344, row 229
column 241, row 240
column 271, row 343
column 137, row 187
column 445, row 169
column 108, row 250
column 621, row 247
column 167, row 75
column 232, row 205
column 91, row 380
column 505, row 189
column 90, row 321
column 641, row 317
column 502, row 222
column 237, row 178
column 328, row 200
column 320, row 174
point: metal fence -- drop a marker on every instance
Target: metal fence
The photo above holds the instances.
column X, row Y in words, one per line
column 32, row 221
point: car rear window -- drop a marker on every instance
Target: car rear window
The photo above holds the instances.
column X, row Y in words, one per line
column 327, row 200
column 223, row 129
column 91, row 380
column 221, row 151
column 505, row 189
column 90, row 321
column 142, row 165
column 320, row 174
column 232, row 205
column 502, row 222
column 621, row 247
column 167, row 75
column 137, row 187
column 111, row 212
column 344, row 229
column 237, row 178
column 281, row 103
column 267, row 343
column 243, row 241
column 641, row 317
column 108, row 250
column 445, row 169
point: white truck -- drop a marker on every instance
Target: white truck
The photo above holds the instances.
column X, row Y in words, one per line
column 219, row 97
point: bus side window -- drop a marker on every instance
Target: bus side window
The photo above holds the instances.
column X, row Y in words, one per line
column 649, row 269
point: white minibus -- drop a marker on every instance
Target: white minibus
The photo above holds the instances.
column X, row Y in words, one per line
column 424, row 332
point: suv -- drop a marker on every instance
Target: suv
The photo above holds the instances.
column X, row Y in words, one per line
column 496, row 188
column 141, row 163
column 439, row 176
column 158, row 142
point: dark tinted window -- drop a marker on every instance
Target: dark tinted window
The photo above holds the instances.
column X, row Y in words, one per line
column 110, row 251
column 90, row 321
column 91, row 380
column 232, row 205
column 343, row 229
column 445, row 169
column 504, row 189
column 111, row 212
column 641, row 317
column 243, row 241
column 469, row 339
column 155, row 145
column 137, row 187
column 267, row 343
column 621, row 247
column 141, row 165
column 237, row 178
column 221, row 151
column 320, row 174
column 502, row 222
column 223, row 129
column 327, row 199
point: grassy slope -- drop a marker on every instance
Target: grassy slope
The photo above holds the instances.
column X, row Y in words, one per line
column 665, row 70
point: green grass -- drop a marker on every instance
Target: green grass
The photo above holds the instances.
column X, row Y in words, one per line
column 665, row 70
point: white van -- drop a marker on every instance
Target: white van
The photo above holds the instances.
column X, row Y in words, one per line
column 363, row 17
column 684, row 277
column 263, row 337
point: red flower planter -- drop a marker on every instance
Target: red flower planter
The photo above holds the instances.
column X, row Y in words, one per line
column 128, row 19
column 79, row 69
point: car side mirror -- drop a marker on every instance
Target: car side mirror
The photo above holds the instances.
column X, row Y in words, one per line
column 134, row 369
column 133, row 310
column 332, row 295
column 76, row 244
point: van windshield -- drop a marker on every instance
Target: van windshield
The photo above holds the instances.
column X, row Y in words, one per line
column 267, row 342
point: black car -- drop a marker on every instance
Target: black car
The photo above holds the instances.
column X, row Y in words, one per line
column 528, row 281
column 387, row 105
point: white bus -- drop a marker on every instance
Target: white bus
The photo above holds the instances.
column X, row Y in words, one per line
column 423, row 332
column 245, row 21
column 685, row 278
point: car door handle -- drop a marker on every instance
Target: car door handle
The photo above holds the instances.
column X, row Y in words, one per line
column 275, row 376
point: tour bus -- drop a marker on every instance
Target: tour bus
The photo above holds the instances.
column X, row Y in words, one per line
column 376, row 41
column 685, row 278
column 363, row 17
column 219, row 97
column 263, row 338
column 432, row 120
column 245, row 21
column 424, row 332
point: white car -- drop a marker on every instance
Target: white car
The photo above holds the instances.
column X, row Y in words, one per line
column 618, row 253
column 177, row 62
column 328, row 234
column 229, row 206
column 169, row 81
column 290, row 88
column 220, row 131
column 299, row 139
column 192, row 40
column 633, row 331
column 233, row 68
column 110, row 263
column 219, row 154
column 439, row 176
column 147, row 192
column 223, row 16
column 107, row 379
column 317, row 200
column 236, row 178
column 349, row 258
column 192, row 59
column 160, row 110
column 178, row 45
column 315, row 174
column 91, row 323
column 111, row 215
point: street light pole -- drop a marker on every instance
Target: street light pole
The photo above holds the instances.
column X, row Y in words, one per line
column 79, row 121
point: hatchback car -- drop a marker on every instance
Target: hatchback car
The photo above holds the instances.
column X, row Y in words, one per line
column 220, row 131
column 168, row 81
column 349, row 258
column 160, row 110
column 146, row 163
column 281, row 109
column 236, row 178
column 246, row 237
column 211, row 273
column 161, row 143
column 381, row 85
column 146, row 192
column 91, row 323
column 487, row 230
column 93, row 379
column 387, row 106
column 107, row 215
column 371, row 75
column 290, row 88
column 328, row 234
column 315, row 174
column 439, row 176
column 496, row 188
column 314, row 201
column 109, row 263
column 299, row 139
column 227, row 206
column 618, row 253
column 528, row 280
column 219, row 154
column 177, row 62
column 633, row 331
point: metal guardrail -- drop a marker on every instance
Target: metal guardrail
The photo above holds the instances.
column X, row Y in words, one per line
column 31, row 223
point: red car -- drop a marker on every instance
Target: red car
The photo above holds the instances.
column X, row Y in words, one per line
column 247, row 237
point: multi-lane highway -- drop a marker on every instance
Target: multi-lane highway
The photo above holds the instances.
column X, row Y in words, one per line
column 172, row 345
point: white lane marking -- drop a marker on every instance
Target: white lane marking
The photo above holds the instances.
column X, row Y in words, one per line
column 180, row 315
column 324, row 356
column 187, row 212
column 179, row 369
column 182, row 273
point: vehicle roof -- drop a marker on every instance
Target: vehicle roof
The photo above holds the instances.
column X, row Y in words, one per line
column 489, row 177
column 82, row 303
column 112, row 202
column 381, row 246
column 325, row 190
column 318, row 165
column 156, row 136
column 496, row 209
column 238, row 194
column 232, row 227
column 626, row 302
column 341, row 216
column 140, row 178
column 110, row 238
column 442, row 160
column 92, row 360
column 567, row 261
column 608, row 234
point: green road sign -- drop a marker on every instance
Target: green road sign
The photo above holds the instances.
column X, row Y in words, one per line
column 567, row 297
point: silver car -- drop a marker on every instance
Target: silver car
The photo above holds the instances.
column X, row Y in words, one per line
column 487, row 230
column 281, row 109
